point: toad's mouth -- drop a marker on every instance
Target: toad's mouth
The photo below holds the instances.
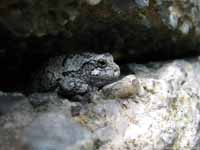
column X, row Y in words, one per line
column 104, row 80
column 106, row 77
column 112, row 72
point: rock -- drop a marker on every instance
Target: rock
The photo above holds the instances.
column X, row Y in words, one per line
column 105, row 26
column 56, row 132
column 10, row 101
column 124, row 88
column 132, row 30
column 36, row 15
column 51, row 102
column 38, row 99
column 164, row 114
column 175, row 16
column 26, row 21
column 17, row 113
column 93, row 2
column 142, row 3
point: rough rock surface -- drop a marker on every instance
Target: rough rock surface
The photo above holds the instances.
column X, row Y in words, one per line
column 54, row 131
column 19, row 126
column 17, row 113
column 43, row 17
column 10, row 102
column 163, row 114
column 105, row 25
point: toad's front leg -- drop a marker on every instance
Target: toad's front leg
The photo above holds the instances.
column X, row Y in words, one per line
column 74, row 89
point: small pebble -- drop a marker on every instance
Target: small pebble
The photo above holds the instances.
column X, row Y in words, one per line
column 93, row 2
column 124, row 88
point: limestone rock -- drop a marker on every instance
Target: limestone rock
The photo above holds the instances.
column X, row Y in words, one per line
column 164, row 115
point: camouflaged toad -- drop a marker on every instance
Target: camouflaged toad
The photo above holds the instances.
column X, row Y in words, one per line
column 76, row 76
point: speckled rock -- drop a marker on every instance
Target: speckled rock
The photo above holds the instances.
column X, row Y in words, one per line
column 17, row 113
column 47, row 126
column 43, row 17
column 9, row 102
column 164, row 114
column 107, row 24
column 54, row 131
column 180, row 15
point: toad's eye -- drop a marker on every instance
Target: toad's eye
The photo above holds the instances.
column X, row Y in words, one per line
column 102, row 63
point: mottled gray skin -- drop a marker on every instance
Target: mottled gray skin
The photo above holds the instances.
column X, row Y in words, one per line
column 77, row 76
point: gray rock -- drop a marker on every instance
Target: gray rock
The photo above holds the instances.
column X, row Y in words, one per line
column 142, row 3
column 174, row 15
column 163, row 115
column 17, row 113
column 9, row 102
column 109, row 26
column 38, row 99
column 53, row 131
column 43, row 17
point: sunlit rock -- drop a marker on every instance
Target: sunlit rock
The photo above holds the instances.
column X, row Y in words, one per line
column 164, row 115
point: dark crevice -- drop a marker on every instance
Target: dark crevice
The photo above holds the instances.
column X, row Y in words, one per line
column 20, row 57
